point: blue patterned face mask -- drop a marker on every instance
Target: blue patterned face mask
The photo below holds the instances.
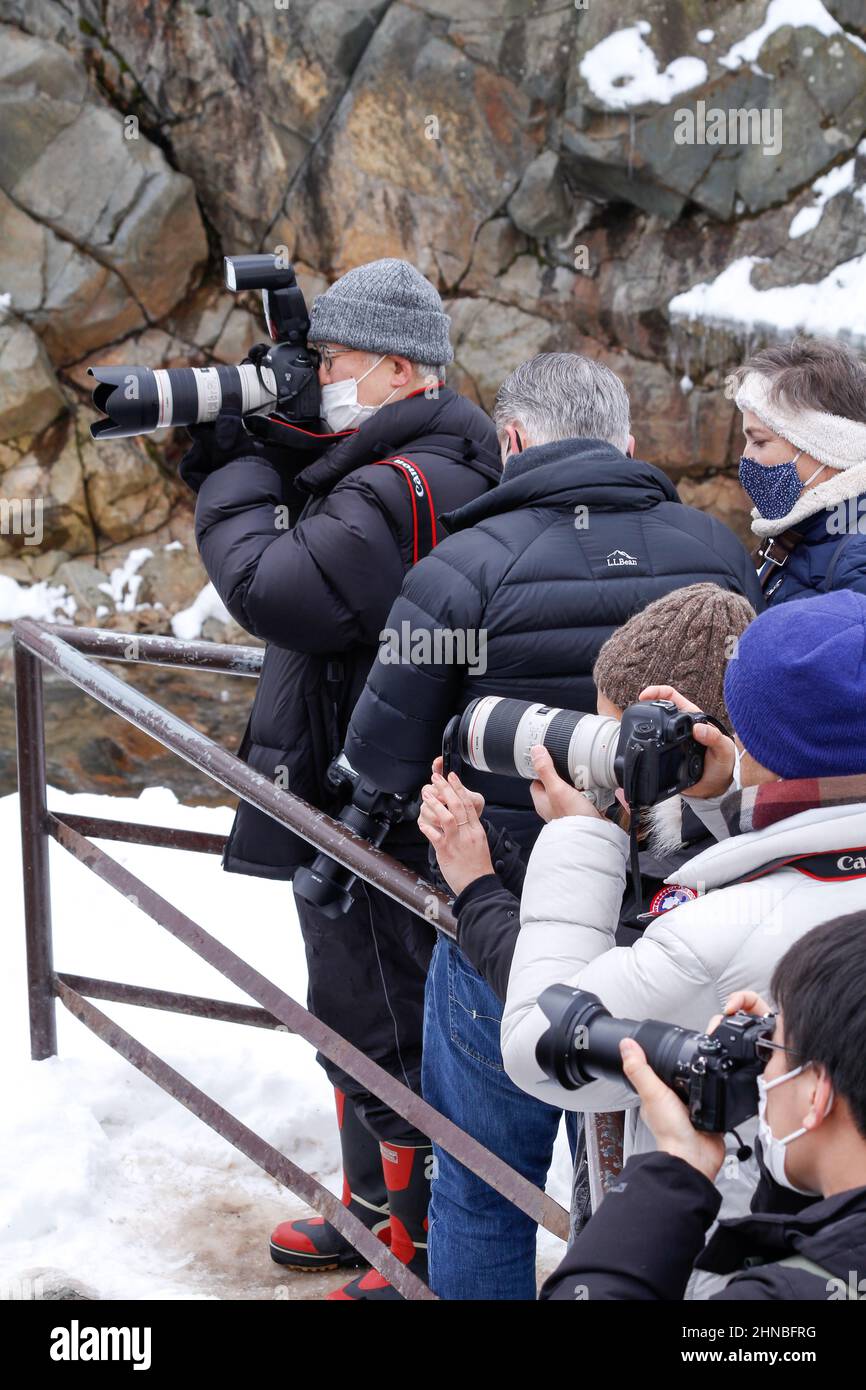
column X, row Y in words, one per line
column 774, row 489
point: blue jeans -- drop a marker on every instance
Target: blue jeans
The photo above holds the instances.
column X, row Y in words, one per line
column 480, row 1246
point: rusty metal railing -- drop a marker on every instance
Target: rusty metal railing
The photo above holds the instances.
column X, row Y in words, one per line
column 69, row 652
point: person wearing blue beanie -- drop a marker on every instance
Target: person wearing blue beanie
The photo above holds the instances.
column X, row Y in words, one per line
column 796, row 688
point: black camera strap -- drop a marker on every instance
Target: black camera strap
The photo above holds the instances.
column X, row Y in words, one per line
column 828, row 866
column 423, row 540
column 423, row 516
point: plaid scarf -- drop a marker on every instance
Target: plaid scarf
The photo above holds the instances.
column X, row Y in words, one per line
column 754, row 808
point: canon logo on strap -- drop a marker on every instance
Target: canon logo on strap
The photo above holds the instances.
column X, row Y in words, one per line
column 413, row 474
column 850, row 863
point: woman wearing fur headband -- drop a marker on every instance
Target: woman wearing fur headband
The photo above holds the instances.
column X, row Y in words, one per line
column 804, row 466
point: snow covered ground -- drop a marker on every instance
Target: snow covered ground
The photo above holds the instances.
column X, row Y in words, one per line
column 102, row 1175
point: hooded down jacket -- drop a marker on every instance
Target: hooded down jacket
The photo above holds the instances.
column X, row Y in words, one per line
column 318, row 591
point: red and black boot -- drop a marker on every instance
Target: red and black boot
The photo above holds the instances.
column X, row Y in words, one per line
column 312, row 1244
column 407, row 1178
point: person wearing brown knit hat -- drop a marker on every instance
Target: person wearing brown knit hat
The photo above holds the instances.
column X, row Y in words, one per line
column 692, row 632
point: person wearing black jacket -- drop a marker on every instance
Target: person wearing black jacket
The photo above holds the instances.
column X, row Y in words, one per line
column 805, row 1238
column 536, row 575
column 307, row 539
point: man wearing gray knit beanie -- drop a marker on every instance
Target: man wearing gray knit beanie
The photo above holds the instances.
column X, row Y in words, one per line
column 386, row 321
column 397, row 448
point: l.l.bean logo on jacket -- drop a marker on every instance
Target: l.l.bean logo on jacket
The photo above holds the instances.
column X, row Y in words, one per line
column 617, row 558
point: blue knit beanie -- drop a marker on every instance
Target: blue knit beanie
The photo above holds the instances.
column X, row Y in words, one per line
column 796, row 689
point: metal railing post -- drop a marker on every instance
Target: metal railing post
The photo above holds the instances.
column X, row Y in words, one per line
column 30, row 727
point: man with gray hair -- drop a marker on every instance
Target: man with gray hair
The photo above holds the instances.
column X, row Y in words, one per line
column 577, row 537
column 560, row 395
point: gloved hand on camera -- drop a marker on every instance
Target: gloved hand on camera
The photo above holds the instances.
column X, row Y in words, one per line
column 214, row 444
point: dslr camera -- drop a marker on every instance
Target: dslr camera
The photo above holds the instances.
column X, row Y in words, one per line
column 282, row 376
column 650, row 752
column 715, row 1074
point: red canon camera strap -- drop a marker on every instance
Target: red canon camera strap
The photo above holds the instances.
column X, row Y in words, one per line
column 423, row 516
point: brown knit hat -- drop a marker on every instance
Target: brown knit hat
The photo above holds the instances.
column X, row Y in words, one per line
column 683, row 640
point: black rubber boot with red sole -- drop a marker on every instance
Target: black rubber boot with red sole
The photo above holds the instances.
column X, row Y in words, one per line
column 407, row 1174
column 311, row 1244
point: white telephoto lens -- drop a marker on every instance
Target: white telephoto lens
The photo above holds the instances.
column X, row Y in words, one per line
column 475, row 733
column 209, row 392
column 532, row 729
column 592, row 751
column 165, row 397
column 253, row 395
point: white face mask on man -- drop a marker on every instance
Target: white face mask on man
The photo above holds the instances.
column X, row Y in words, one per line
column 341, row 409
column 773, row 1149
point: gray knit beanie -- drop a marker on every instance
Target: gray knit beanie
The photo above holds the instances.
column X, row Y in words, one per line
column 386, row 306
column 684, row 639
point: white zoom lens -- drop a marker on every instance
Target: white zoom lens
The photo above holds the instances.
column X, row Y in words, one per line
column 254, row 396
column 497, row 735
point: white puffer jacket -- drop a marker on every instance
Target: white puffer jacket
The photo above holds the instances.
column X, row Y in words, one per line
column 689, row 960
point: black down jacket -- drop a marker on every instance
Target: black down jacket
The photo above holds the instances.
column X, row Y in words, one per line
column 575, row 540
column 649, row 1230
column 319, row 592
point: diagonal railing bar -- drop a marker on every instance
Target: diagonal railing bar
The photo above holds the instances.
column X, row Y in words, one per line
column 493, row 1170
column 134, row 833
column 222, row 657
column 291, row 811
column 229, row 1127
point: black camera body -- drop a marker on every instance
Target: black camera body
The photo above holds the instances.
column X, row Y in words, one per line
column 370, row 813
column 715, row 1074
column 295, row 368
column 657, row 755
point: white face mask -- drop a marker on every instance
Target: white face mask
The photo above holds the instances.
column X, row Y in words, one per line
column 737, row 780
column 341, row 409
column 773, row 1149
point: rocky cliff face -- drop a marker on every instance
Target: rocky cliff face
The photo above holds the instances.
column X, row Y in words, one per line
column 624, row 181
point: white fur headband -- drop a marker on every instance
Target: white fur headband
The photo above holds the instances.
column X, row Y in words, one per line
column 830, row 439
